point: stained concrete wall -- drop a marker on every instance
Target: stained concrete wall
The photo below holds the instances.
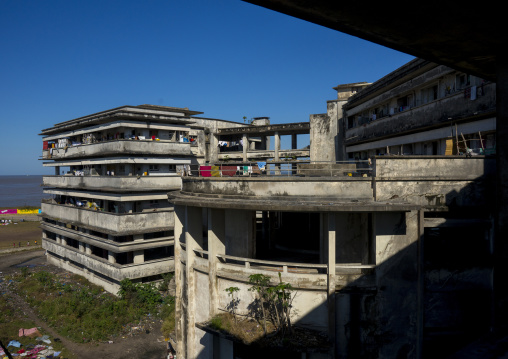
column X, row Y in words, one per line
column 435, row 180
column 348, row 187
column 118, row 224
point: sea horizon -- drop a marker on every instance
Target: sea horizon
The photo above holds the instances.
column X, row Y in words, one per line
column 21, row 190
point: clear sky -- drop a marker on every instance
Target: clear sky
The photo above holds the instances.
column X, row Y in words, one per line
column 63, row 59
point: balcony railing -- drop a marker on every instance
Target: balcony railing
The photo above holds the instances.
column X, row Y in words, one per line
column 286, row 169
column 137, row 183
column 144, row 147
column 113, row 270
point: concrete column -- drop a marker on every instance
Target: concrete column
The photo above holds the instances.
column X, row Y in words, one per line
column 193, row 240
column 111, row 257
column 294, row 143
column 88, row 248
column 81, row 247
column 139, row 257
column 57, row 238
column 216, row 245
column 213, row 150
column 331, row 276
column 501, row 210
column 179, row 257
column 57, row 170
column 267, row 143
column 63, row 240
column 240, row 233
column 245, row 146
column 277, row 145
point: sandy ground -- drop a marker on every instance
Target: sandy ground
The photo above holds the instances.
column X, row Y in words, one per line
column 142, row 345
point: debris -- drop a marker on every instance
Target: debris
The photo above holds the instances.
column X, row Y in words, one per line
column 32, row 332
column 14, row 343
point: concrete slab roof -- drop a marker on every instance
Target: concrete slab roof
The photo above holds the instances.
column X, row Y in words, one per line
column 460, row 36
column 300, row 204
column 281, row 129
column 142, row 112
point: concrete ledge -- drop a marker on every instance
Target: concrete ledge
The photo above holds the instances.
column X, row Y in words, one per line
column 117, row 224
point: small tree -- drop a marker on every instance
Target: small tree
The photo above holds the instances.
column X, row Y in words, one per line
column 260, row 284
column 234, row 302
column 275, row 301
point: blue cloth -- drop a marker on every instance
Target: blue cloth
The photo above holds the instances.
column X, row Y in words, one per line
column 14, row 344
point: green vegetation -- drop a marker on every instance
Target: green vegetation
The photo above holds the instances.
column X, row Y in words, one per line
column 84, row 312
column 13, row 318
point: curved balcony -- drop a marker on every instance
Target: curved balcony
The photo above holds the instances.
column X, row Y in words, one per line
column 309, row 281
column 114, row 183
column 118, row 224
column 120, row 147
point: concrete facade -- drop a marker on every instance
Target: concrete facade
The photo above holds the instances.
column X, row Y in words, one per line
column 373, row 247
column 369, row 285
column 109, row 218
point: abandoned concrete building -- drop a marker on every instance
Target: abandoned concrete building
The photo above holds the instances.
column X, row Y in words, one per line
column 422, row 108
column 109, row 218
column 390, row 256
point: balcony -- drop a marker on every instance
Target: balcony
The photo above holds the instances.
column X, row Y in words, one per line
column 446, row 110
column 114, row 183
column 118, row 224
column 112, row 270
column 120, row 147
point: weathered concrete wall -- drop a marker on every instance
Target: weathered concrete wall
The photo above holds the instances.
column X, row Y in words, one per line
column 240, row 233
column 143, row 183
column 395, row 308
column 113, row 271
column 439, row 112
column 117, row 224
column 119, row 147
column 434, row 180
column 323, row 133
column 349, row 187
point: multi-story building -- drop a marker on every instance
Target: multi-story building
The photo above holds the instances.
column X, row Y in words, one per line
column 390, row 256
column 109, row 218
column 422, row 108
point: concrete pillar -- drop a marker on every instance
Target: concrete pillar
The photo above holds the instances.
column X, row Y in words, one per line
column 112, row 257
column 267, row 143
column 193, row 240
column 501, row 210
column 323, row 131
column 331, row 248
column 245, row 146
column 81, row 247
column 216, row 245
column 139, row 257
column 180, row 255
column 57, row 238
column 63, row 240
column 88, row 248
column 294, row 143
column 57, row 170
column 277, row 145
column 240, row 229
column 213, row 149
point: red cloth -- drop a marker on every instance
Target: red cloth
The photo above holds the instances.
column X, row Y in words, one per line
column 44, row 145
column 228, row 171
column 205, row 171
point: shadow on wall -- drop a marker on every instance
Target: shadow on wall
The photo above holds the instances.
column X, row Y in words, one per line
column 433, row 296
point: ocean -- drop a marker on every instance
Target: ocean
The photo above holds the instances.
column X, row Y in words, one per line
column 19, row 191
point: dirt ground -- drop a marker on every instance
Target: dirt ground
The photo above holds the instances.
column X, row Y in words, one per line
column 146, row 344
column 19, row 233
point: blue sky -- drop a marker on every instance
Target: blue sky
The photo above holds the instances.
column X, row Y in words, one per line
column 227, row 58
